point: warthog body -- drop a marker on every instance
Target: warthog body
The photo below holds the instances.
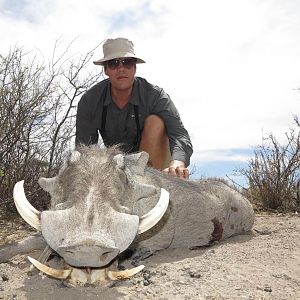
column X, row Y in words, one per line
column 99, row 196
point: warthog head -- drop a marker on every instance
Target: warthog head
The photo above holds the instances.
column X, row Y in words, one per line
column 93, row 198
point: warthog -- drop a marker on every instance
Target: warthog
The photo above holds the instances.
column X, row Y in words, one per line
column 104, row 202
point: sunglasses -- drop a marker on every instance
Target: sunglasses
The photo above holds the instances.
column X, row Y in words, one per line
column 127, row 63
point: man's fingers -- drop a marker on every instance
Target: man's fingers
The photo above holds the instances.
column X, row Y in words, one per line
column 172, row 171
column 186, row 173
column 182, row 172
column 179, row 172
column 166, row 170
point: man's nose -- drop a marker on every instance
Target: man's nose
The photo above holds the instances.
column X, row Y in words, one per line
column 120, row 66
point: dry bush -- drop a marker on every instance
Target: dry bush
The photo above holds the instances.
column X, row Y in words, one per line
column 274, row 173
column 37, row 117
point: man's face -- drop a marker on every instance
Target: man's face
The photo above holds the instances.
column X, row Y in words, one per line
column 121, row 72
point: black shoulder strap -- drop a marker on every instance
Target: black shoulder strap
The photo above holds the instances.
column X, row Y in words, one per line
column 138, row 127
column 104, row 110
column 136, row 116
column 103, row 119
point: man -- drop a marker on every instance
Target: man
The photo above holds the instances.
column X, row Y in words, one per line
column 133, row 113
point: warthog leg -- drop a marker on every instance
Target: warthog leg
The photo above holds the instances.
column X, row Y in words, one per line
column 31, row 243
column 43, row 258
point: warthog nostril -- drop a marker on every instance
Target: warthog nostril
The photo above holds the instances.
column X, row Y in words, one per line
column 106, row 254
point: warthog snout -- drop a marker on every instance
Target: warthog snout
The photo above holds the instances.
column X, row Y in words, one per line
column 88, row 254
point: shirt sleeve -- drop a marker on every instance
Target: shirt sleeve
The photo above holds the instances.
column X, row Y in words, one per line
column 86, row 133
column 180, row 143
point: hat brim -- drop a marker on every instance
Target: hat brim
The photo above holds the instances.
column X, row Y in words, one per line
column 117, row 55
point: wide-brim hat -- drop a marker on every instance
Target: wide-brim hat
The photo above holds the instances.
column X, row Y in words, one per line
column 115, row 48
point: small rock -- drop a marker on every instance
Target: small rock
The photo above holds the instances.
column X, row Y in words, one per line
column 263, row 231
column 4, row 277
column 147, row 275
column 268, row 289
column 194, row 274
column 147, row 282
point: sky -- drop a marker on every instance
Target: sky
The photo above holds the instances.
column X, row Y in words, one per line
column 231, row 67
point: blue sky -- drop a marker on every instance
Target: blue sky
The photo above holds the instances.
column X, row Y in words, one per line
column 231, row 67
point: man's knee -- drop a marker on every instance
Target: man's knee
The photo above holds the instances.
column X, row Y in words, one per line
column 154, row 119
column 154, row 122
column 156, row 142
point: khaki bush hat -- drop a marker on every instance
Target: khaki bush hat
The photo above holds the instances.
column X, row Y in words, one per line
column 115, row 48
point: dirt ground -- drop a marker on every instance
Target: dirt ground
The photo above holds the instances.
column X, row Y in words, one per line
column 262, row 265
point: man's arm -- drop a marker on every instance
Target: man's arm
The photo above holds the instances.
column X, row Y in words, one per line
column 86, row 133
column 180, row 144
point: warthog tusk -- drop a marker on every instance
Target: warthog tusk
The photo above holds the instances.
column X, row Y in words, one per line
column 80, row 276
column 150, row 219
column 25, row 209
column 60, row 274
column 115, row 275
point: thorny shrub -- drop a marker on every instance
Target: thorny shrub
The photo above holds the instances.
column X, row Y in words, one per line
column 37, row 117
column 273, row 173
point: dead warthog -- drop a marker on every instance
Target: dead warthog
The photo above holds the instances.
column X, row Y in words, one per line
column 104, row 202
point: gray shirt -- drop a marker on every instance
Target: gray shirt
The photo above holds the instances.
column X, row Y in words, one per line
column 121, row 126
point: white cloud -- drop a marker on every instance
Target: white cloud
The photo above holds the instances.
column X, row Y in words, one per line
column 221, row 155
column 231, row 67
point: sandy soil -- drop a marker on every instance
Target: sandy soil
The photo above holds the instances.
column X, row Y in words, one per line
column 261, row 265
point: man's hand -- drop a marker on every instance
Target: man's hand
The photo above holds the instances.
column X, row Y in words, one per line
column 177, row 168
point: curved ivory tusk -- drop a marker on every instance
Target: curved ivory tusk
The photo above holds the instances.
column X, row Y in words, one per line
column 25, row 209
column 150, row 219
column 116, row 275
column 60, row 274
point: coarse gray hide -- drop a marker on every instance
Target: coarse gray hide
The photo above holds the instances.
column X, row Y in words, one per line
column 99, row 195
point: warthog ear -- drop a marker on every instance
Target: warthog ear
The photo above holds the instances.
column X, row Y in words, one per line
column 137, row 162
column 47, row 183
column 51, row 186
column 74, row 156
